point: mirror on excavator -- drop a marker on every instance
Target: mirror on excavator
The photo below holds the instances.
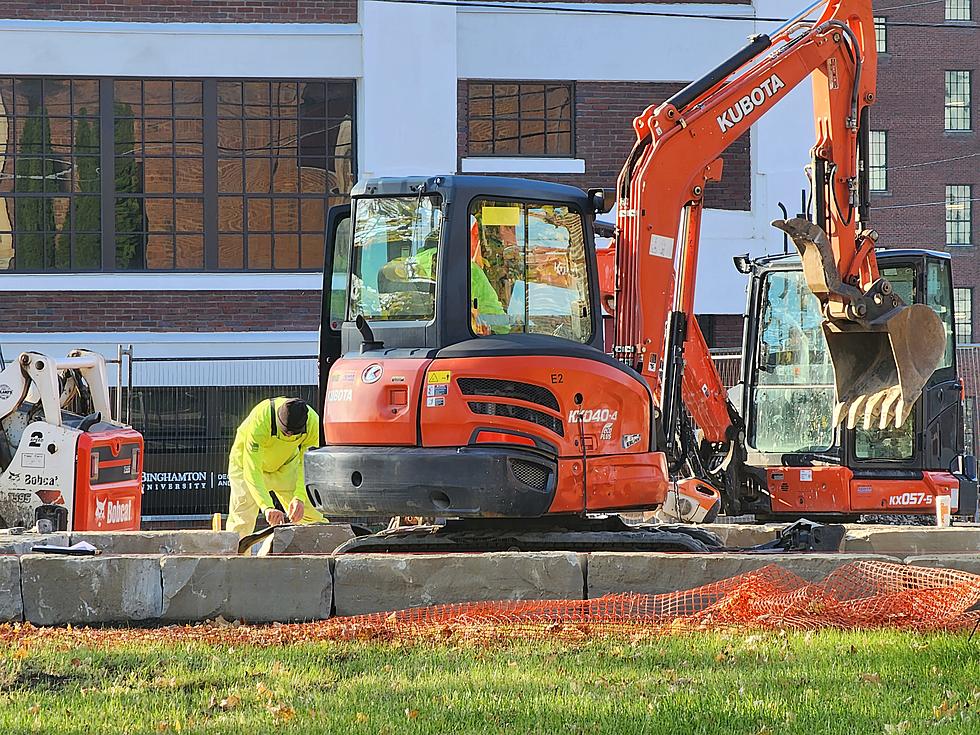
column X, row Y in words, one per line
column 883, row 350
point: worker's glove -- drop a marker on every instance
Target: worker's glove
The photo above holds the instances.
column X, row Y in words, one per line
column 296, row 510
column 274, row 517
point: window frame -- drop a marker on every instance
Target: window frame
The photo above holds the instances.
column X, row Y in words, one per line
column 952, row 105
column 492, row 119
column 967, row 201
column 881, row 33
column 210, row 196
column 967, row 292
column 958, row 5
column 881, row 169
column 591, row 277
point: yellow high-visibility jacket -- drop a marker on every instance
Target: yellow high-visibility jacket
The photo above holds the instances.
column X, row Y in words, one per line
column 260, row 449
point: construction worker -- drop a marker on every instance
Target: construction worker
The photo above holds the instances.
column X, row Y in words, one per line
column 488, row 315
column 267, row 459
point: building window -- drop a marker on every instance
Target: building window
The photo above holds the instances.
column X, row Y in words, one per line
column 963, row 315
column 959, row 220
column 958, row 9
column 520, row 119
column 878, row 160
column 170, row 175
column 958, row 100
column 881, row 35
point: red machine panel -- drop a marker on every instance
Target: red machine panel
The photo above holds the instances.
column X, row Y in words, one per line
column 835, row 490
column 809, row 489
column 907, row 496
column 108, row 481
column 536, row 395
column 615, row 482
column 372, row 402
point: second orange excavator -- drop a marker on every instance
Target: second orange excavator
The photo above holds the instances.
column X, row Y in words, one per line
column 465, row 376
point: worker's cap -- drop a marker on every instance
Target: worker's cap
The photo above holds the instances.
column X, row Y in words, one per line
column 292, row 415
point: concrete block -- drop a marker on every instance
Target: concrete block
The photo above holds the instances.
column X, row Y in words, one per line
column 655, row 573
column 963, row 562
column 317, row 538
column 912, row 540
column 90, row 589
column 161, row 542
column 11, row 600
column 366, row 583
column 22, row 543
column 255, row 589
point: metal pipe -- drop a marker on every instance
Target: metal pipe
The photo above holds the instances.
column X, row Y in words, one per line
column 757, row 44
column 119, row 376
column 129, row 389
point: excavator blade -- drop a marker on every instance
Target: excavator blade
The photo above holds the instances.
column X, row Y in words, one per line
column 880, row 369
column 881, row 362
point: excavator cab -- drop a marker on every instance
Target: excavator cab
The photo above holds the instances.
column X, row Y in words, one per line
column 794, row 448
column 461, row 358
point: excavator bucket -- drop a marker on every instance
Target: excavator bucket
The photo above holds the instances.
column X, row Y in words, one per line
column 882, row 361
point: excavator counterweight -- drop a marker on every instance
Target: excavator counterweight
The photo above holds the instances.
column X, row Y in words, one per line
column 883, row 350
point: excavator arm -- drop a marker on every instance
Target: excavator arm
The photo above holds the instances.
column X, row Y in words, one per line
column 880, row 367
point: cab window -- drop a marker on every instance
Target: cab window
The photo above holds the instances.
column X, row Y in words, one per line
column 527, row 270
column 939, row 296
column 394, row 258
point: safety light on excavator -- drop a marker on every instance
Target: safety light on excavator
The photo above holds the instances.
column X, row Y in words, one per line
column 504, row 437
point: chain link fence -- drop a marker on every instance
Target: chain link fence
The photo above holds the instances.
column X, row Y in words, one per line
column 188, row 409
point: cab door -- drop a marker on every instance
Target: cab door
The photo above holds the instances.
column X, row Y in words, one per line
column 333, row 299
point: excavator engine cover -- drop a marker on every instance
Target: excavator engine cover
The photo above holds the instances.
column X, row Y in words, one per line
column 882, row 349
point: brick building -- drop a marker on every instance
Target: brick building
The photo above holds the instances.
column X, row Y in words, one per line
column 166, row 167
column 925, row 146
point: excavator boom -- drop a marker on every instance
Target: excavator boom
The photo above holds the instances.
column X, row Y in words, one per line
column 882, row 349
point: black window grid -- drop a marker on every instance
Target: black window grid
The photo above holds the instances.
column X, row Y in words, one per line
column 501, row 123
column 54, row 184
column 959, row 214
column 881, row 34
column 958, row 9
column 963, row 314
column 105, row 116
column 958, row 104
column 878, row 160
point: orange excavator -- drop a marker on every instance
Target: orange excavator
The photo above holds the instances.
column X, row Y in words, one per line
column 462, row 361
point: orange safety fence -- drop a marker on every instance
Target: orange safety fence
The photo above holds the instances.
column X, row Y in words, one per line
column 862, row 594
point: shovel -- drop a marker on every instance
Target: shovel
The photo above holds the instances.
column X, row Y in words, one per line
column 882, row 349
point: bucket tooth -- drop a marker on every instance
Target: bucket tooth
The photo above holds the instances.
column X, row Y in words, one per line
column 854, row 410
column 872, row 409
column 888, row 408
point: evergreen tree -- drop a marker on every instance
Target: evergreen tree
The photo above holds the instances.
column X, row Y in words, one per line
column 85, row 209
column 130, row 215
column 34, row 216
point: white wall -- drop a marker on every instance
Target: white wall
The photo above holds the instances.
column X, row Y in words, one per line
column 180, row 49
column 407, row 97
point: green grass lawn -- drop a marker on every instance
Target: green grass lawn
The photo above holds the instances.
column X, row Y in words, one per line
column 766, row 683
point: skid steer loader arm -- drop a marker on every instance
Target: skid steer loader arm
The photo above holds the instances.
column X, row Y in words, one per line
column 882, row 349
